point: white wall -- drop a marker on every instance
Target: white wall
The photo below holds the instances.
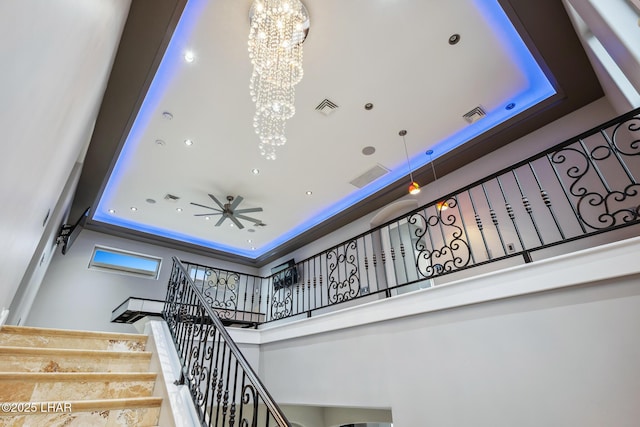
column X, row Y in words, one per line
column 74, row 297
column 30, row 284
column 56, row 57
column 317, row 416
column 609, row 31
column 562, row 357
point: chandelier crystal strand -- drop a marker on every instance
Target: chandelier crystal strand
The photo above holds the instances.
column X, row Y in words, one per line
column 278, row 28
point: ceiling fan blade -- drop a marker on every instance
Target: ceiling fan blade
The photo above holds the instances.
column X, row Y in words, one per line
column 217, row 201
column 248, row 218
column 221, row 220
column 236, row 202
column 208, row 207
column 208, row 214
column 236, row 222
column 239, row 211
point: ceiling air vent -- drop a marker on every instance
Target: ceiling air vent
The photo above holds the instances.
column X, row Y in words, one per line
column 369, row 176
column 171, row 198
column 475, row 115
column 327, row 107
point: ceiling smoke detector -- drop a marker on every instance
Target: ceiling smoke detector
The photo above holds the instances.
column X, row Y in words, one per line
column 475, row 115
column 327, row 107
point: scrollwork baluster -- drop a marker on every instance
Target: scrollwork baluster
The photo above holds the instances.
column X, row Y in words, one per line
column 597, row 208
column 343, row 288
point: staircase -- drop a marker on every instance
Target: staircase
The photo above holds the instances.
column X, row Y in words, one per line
column 53, row 377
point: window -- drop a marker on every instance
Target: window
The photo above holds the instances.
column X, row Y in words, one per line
column 116, row 260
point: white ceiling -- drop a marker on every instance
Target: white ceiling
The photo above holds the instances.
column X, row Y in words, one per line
column 392, row 53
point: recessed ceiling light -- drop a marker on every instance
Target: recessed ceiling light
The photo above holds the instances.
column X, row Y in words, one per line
column 179, row 209
column 112, row 211
column 160, row 142
column 207, row 218
column 230, row 224
column 249, row 240
column 188, row 142
column 151, row 201
column 368, row 106
column 308, row 193
column 251, row 230
column 133, row 208
column 454, row 39
column 369, row 150
column 255, row 171
column 510, row 106
column 189, row 56
column 167, row 115
column 253, row 248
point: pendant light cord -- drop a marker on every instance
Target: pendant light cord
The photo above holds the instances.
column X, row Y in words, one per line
column 433, row 168
column 402, row 133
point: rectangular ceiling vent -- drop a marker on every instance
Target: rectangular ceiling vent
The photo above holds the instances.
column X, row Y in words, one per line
column 369, row 176
column 171, row 198
column 475, row 115
column 327, row 107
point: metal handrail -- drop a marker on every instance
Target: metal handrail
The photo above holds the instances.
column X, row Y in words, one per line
column 207, row 316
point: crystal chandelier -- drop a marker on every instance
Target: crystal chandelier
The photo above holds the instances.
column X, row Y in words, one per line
column 278, row 29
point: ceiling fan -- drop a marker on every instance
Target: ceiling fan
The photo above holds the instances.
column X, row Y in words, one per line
column 228, row 210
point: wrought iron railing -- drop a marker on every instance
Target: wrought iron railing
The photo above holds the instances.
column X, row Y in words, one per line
column 579, row 188
column 235, row 297
column 583, row 187
column 225, row 389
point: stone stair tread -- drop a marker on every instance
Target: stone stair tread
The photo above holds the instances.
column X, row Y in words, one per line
column 88, row 405
column 77, row 376
column 36, row 351
column 128, row 403
column 34, row 359
column 74, row 408
column 146, row 417
column 31, row 330
column 23, row 336
column 68, row 386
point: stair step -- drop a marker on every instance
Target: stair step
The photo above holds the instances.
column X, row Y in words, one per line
column 66, row 386
column 26, row 336
column 29, row 359
column 142, row 412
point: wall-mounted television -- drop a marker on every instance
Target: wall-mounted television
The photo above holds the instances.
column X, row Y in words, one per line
column 69, row 232
column 284, row 275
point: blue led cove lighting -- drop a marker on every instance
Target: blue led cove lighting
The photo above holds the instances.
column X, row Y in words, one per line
column 539, row 89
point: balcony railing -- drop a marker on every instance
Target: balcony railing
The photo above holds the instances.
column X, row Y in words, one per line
column 583, row 187
column 225, row 389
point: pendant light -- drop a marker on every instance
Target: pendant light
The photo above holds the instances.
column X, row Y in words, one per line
column 441, row 205
column 414, row 188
